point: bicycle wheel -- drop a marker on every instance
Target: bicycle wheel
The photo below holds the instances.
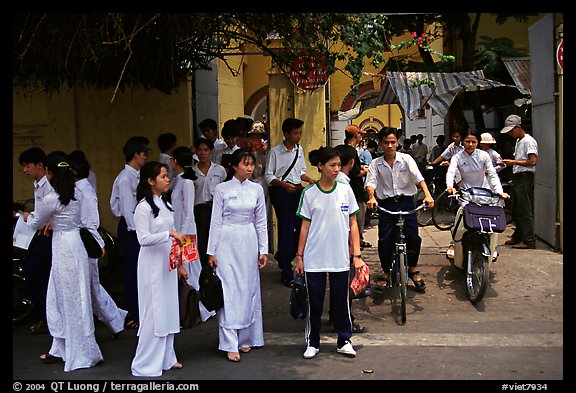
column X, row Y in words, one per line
column 22, row 304
column 477, row 280
column 106, row 263
column 402, row 263
column 444, row 211
column 424, row 216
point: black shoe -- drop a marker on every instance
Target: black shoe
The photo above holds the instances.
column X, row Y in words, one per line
column 287, row 282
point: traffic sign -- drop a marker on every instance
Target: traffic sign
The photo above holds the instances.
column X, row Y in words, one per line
column 560, row 54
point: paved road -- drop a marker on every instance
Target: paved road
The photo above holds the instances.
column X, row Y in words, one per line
column 515, row 334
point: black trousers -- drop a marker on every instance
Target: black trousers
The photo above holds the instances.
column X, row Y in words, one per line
column 388, row 232
column 285, row 206
column 523, row 207
column 131, row 248
column 37, row 271
column 203, row 216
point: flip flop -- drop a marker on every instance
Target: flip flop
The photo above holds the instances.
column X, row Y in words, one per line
column 233, row 356
column 176, row 366
column 49, row 359
column 245, row 349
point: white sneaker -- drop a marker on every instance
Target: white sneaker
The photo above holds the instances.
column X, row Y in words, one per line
column 311, row 352
column 347, row 350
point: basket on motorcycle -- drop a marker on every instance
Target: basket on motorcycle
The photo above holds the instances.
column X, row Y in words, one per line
column 484, row 218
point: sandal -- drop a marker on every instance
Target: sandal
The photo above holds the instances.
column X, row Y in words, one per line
column 176, row 366
column 39, row 328
column 233, row 356
column 49, row 359
column 450, row 252
column 245, row 349
column 382, row 283
column 419, row 284
column 357, row 328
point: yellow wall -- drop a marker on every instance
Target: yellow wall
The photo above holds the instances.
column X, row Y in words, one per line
column 230, row 90
column 85, row 119
column 516, row 31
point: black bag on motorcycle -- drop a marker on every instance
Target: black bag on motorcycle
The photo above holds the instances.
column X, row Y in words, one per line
column 484, row 218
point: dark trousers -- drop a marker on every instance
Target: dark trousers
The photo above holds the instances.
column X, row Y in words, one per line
column 523, row 207
column 37, row 271
column 388, row 232
column 203, row 216
column 285, row 206
column 131, row 248
column 339, row 306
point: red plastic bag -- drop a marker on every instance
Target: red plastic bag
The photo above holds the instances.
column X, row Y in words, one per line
column 189, row 249
column 181, row 254
column 361, row 279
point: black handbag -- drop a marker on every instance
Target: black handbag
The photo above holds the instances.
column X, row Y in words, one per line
column 299, row 298
column 188, row 304
column 92, row 247
column 211, row 294
column 484, row 218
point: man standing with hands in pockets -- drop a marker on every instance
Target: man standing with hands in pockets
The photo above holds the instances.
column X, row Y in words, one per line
column 285, row 171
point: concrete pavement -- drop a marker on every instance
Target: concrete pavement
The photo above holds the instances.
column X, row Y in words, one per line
column 442, row 339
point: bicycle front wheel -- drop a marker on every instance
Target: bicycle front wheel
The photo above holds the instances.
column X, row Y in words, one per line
column 402, row 263
column 477, row 280
column 444, row 211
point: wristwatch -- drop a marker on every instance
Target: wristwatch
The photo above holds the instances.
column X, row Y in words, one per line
column 358, row 256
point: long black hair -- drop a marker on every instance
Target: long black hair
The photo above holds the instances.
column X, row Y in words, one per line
column 150, row 170
column 184, row 157
column 62, row 179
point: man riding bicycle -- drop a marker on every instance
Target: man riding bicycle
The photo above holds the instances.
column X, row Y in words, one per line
column 391, row 183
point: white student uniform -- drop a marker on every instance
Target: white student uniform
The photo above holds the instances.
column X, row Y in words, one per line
column 327, row 247
column 183, row 196
column 476, row 170
column 68, row 301
column 238, row 234
column 103, row 306
column 157, row 292
column 205, row 184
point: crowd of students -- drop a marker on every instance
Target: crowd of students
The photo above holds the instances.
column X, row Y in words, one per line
column 222, row 191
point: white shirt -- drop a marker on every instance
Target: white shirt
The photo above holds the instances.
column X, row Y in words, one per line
column 227, row 150
column 476, row 170
column 89, row 209
column 42, row 188
column 327, row 245
column 123, row 196
column 525, row 146
column 219, row 146
column 399, row 180
column 167, row 160
column 280, row 159
column 496, row 159
column 205, row 184
column 451, row 151
column 182, row 198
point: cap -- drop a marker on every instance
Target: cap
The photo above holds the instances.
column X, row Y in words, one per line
column 511, row 122
column 132, row 147
column 352, row 129
column 487, row 138
column 257, row 128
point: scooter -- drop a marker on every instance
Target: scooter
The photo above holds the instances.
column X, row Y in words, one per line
column 478, row 219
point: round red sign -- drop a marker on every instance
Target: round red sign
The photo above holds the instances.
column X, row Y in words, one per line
column 308, row 72
column 560, row 54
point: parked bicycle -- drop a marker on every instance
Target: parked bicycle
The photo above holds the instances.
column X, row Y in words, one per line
column 399, row 268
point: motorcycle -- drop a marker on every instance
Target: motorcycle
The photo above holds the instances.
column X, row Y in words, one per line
column 478, row 219
column 22, row 303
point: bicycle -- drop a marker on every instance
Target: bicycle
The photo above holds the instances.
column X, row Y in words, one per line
column 399, row 269
column 434, row 182
column 444, row 211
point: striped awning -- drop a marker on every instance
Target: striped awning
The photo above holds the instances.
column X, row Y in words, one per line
column 519, row 69
column 439, row 94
